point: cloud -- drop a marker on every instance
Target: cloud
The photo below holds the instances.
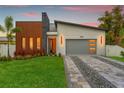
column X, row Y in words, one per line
column 93, row 8
column 31, row 14
column 94, row 24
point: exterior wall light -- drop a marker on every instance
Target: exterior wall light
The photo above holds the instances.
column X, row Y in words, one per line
column 61, row 40
column 101, row 40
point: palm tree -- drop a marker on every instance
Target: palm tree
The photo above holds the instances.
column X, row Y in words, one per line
column 9, row 29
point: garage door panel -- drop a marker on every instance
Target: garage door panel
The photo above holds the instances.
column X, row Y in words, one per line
column 77, row 47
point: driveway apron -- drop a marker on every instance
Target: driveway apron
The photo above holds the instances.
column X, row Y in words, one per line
column 86, row 71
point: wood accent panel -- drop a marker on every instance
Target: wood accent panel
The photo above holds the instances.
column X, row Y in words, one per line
column 29, row 29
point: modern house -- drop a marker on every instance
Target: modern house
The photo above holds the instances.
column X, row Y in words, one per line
column 61, row 37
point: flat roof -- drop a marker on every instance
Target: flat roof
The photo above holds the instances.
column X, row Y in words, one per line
column 85, row 26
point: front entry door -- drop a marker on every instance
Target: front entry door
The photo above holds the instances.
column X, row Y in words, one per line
column 52, row 45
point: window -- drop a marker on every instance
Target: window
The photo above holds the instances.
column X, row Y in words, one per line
column 38, row 42
column 23, row 42
column 92, row 45
column 92, row 50
column 31, row 43
column 91, row 40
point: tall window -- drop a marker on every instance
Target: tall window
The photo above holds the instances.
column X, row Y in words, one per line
column 38, row 42
column 31, row 43
column 23, row 42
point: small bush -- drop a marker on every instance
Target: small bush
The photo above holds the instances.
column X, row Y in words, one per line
column 28, row 56
column 19, row 57
column 122, row 53
column 4, row 58
column 43, row 54
column 55, row 55
column 60, row 55
column 46, row 54
column 37, row 55
column 15, row 53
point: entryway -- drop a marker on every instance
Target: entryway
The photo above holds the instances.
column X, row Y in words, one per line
column 51, row 42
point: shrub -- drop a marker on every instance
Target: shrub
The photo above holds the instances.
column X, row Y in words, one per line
column 4, row 58
column 36, row 55
column 60, row 55
column 55, row 55
column 43, row 54
column 46, row 54
column 19, row 57
column 23, row 53
column 28, row 56
column 15, row 53
column 122, row 53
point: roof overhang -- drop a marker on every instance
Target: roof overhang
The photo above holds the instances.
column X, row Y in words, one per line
column 52, row 33
column 75, row 24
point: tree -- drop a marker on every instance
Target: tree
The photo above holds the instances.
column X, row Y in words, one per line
column 112, row 21
column 110, row 38
column 117, row 20
column 9, row 29
column 106, row 21
column 121, row 37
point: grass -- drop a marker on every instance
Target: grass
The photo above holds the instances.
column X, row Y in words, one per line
column 121, row 59
column 40, row 72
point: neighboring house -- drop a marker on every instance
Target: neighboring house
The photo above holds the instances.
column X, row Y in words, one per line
column 3, row 38
column 62, row 37
column 4, row 45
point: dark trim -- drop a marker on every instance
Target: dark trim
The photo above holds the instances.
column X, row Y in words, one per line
column 75, row 24
column 28, row 21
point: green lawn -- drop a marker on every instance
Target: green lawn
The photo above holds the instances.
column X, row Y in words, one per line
column 40, row 72
column 118, row 58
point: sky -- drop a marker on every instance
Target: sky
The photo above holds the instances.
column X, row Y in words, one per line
column 85, row 14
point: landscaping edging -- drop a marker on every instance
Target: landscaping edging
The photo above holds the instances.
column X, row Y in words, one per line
column 109, row 61
column 91, row 75
column 66, row 74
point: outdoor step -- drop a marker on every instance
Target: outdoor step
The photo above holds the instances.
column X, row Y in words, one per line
column 115, row 63
column 109, row 74
column 92, row 76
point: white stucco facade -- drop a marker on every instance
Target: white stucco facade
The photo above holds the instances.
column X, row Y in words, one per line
column 68, row 31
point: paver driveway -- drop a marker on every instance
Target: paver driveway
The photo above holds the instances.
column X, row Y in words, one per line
column 94, row 72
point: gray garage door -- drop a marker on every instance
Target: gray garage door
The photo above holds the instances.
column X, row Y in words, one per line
column 78, row 46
